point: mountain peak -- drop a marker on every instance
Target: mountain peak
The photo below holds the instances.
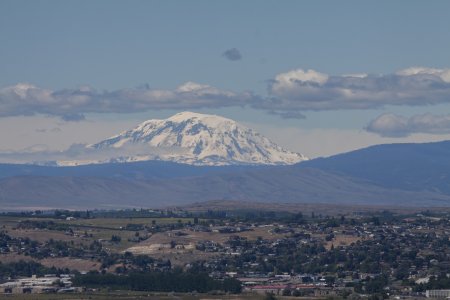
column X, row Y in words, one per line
column 198, row 139
column 190, row 115
column 206, row 118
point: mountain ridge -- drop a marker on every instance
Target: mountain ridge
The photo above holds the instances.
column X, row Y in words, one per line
column 384, row 175
column 409, row 166
column 272, row 186
column 198, row 139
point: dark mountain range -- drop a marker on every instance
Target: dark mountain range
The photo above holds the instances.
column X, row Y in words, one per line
column 384, row 175
column 273, row 186
column 416, row 167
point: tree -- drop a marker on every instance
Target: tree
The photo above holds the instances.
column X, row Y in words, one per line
column 330, row 280
column 377, row 284
column 270, row 296
column 115, row 238
column 287, row 292
column 232, row 285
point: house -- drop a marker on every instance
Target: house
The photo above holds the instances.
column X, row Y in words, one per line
column 437, row 293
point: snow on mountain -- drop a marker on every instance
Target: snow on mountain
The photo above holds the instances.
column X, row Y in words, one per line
column 196, row 139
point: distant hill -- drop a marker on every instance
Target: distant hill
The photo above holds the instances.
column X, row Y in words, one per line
column 415, row 167
column 134, row 170
column 277, row 185
column 384, row 175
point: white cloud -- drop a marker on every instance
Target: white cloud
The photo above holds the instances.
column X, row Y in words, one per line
column 391, row 125
column 356, row 75
column 25, row 99
column 290, row 94
column 444, row 74
column 291, row 80
column 300, row 90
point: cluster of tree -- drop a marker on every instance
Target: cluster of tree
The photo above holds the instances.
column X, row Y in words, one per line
column 115, row 238
column 372, row 285
column 57, row 248
column 440, row 282
column 173, row 281
column 50, row 248
column 134, row 227
column 26, row 269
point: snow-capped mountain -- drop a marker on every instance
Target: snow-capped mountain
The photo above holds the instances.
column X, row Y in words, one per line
column 196, row 139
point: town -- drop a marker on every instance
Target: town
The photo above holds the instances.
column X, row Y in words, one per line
column 377, row 254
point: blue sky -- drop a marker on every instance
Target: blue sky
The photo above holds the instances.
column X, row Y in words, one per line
column 116, row 45
column 119, row 44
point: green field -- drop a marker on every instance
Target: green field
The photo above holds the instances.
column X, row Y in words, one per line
column 112, row 223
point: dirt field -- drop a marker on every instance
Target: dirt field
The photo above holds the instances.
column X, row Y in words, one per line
column 341, row 240
column 71, row 263
column 158, row 245
column 58, row 262
column 12, row 257
column 97, row 229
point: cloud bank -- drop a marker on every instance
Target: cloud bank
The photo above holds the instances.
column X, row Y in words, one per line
column 290, row 95
column 309, row 90
column 390, row 125
column 71, row 104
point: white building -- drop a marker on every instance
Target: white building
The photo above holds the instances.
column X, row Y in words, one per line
column 34, row 284
column 437, row 293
